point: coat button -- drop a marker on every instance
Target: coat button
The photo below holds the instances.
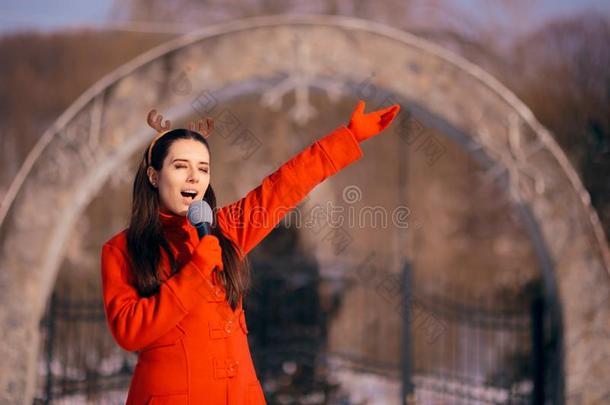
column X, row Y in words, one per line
column 228, row 326
column 232, row 369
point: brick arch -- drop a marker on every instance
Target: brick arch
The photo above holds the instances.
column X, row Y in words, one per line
column 104, row 126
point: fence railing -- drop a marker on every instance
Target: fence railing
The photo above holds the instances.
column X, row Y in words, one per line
column 485, row 353
column 80, row 362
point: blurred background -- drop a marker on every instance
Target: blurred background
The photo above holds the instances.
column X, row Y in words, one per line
column 475, row 319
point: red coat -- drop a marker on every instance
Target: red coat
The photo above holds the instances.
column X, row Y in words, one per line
column 192, row 348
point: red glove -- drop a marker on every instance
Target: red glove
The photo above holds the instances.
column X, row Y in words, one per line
column 208, row 254
column 365, row 126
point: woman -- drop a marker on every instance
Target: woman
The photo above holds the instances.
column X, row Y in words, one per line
column 176, row 299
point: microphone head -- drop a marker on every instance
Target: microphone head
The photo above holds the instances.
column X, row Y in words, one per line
column 200, row 212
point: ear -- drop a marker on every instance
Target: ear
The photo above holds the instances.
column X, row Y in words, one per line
column 153, row 176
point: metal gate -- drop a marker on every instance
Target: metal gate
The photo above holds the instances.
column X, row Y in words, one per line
column 79, row 361
column 493, row 349
column 457, row 349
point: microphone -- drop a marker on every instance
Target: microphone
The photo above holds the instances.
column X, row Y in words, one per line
column 201, row 217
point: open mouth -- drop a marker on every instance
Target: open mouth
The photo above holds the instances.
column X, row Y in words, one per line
column 189, row 194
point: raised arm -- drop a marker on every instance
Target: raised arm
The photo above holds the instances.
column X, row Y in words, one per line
column 248, row 220
column 137, row 322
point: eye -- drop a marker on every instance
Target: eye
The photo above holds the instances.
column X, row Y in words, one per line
column 179, row 166
column 204, row 170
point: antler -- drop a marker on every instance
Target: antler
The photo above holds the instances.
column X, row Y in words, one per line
column 154, row 120
column 200, row 128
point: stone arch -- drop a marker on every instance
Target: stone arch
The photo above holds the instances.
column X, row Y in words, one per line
column 104, row 127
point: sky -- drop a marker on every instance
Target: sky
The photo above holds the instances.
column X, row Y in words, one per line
column 48, row 15
column 538, row 11
column 51, row 14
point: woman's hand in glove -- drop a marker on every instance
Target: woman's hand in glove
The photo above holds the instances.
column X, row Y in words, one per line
column 365, row 126
column 208, row 254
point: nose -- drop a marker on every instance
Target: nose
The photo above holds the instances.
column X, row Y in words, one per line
column 193, row 176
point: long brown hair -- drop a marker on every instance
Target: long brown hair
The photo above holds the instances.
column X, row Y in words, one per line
column 145, row 235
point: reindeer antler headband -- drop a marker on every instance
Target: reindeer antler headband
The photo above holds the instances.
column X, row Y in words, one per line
column 154, row 120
